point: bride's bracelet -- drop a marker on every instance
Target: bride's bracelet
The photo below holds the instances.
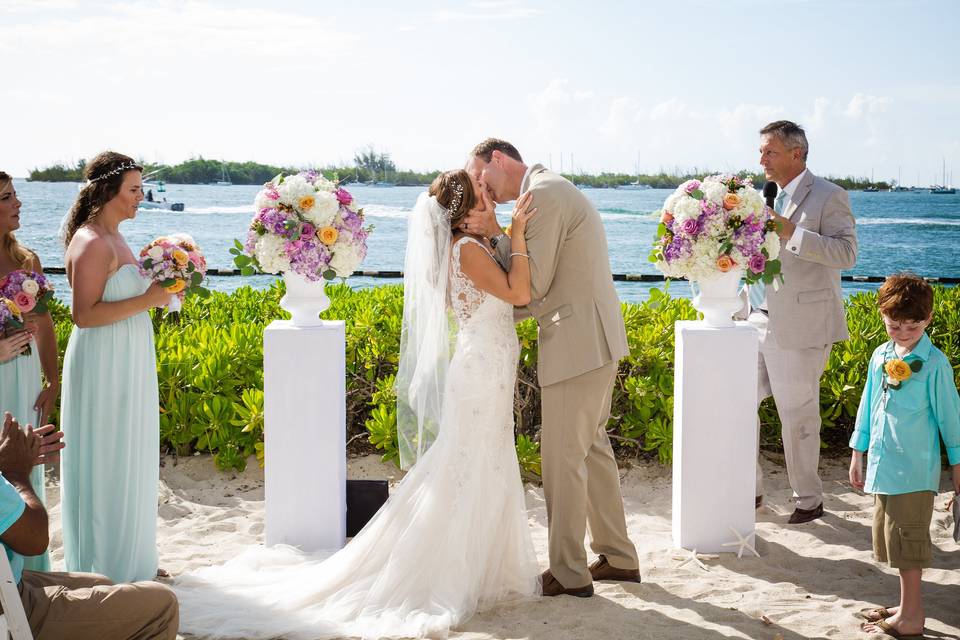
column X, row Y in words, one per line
column 522, row 255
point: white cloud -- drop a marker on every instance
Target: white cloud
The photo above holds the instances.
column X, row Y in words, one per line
column 861, row 105
column 490, row 10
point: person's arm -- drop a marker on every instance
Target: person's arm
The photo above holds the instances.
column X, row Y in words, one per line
column 860, row 439
column 835, row 246
column 47, row 349
column 945, row 402
column 91, row 262
column 545, row 235
column 486, row 274
column 29, row 534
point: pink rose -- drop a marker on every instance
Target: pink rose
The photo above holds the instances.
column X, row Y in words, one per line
column 307, row 230
column 690, row 226
column 343, row 196
column 757, row 263
column 25, row 301
column 272, row 194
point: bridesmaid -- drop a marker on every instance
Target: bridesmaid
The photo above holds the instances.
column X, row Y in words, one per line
column 110, row 407
column 22, row 391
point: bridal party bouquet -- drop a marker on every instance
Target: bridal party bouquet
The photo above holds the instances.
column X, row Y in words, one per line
column 29, row 290
column 21, row 292
column 176, row 262
column 712, row 227
column 306, row 224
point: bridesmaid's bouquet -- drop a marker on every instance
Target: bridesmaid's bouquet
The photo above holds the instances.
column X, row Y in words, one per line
column 176, row 263
column 30, row 290
column 306, row 224
column 11, row 319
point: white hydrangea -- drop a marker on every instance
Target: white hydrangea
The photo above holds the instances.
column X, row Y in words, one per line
column 293, row 189
column 324, row 209
column 714, row 191
column 345, row 260
column 262, row 201
column 685, row 207
column 772, row 244
column 271, row 255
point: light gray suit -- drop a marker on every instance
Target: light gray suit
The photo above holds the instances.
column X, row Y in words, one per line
column 581, row 340
column 806, row 316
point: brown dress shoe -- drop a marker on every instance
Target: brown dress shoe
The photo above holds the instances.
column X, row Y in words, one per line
column 601, row 570
column 552, row 587
column 806, row 515
column 759, row 502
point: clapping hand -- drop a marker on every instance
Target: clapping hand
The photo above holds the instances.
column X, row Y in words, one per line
column 18, row 450
column 51, row 442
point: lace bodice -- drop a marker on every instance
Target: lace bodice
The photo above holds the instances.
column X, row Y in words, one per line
column 470, row 303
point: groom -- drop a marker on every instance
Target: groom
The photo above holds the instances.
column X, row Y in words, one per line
column 581, row 340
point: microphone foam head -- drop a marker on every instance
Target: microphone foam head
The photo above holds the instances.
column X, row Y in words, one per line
column 770, row 190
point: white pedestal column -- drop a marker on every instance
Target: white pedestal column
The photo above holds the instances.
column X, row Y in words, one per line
column 305, row 463
column 714, row 435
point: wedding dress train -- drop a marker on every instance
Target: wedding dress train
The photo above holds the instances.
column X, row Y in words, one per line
column 451, row 540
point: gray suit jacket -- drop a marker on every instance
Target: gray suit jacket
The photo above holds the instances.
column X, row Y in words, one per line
column 807, row 311
column 573, row 298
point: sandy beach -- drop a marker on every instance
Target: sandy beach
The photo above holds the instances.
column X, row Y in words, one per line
column 808, row 583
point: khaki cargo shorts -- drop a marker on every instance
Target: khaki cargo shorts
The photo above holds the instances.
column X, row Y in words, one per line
column 901, row 529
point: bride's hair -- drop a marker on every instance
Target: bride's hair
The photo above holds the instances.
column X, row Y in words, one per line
column 19, row 254
column 104, row 176
column 454, row 192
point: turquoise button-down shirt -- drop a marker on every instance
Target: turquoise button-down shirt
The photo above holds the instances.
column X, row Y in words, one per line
column 12, row 507
column 899, row 427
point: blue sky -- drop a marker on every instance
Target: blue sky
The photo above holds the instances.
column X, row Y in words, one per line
column 680, row 84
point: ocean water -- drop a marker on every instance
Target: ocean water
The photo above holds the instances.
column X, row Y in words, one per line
column 915, row 231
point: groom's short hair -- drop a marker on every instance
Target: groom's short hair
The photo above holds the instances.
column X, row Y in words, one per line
column 485, row 149
column 791, row 135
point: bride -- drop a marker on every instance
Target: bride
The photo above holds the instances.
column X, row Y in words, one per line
column 453, row 538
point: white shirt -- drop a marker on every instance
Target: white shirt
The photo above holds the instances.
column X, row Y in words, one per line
column 526, row 176
column 793, row 244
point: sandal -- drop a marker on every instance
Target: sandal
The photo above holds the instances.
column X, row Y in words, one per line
column 873, row 614
column 884, row 626
column 163, row 573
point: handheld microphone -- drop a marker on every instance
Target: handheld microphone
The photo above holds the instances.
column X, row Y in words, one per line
column 770, row 192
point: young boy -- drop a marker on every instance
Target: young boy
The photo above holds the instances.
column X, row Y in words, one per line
column 908, row 398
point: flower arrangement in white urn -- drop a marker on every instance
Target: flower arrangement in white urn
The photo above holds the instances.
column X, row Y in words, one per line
column 715, row 232
column 309, row 229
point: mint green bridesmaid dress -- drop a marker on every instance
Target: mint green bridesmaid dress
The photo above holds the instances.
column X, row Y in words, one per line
column 20, row 384
column 111, row 423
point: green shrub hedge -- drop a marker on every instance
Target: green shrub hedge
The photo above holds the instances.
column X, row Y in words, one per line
column 210, row 368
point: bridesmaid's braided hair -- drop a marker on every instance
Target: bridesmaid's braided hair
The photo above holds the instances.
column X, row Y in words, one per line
column 454, row 192
column 104, row 176
column 20, row 255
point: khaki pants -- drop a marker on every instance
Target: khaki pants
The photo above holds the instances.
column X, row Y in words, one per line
column 87, row 606
column 581, row 482
column 792, row 377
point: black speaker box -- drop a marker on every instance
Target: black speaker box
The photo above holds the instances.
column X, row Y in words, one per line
column 364, row 499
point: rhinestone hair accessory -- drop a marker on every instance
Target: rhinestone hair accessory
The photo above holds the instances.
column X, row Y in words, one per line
column 457, row 199
column 126, row 166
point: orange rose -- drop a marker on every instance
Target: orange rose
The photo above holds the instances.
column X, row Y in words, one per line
column 731, row 201
column 180, row 257
column 177, row 286
column 307, row 202
column 898, row 370
column 725, row 263
column 328, row 235
column 666, row 217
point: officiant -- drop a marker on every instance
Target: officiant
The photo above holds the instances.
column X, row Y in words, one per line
column 799, row 321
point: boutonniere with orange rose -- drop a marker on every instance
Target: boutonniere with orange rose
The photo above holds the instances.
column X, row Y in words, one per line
column 899, row 371
column 176, row 263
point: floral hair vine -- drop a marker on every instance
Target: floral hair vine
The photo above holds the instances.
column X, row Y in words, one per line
column 457, row 199
column 126, row 166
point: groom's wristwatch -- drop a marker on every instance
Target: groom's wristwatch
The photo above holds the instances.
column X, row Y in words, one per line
column 495, row 240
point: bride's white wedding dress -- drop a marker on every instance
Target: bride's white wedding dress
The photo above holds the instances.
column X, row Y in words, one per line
column 452, row 539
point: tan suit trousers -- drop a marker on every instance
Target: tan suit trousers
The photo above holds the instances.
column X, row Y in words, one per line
column 792, row 377
column 581, row 482
column 87, row 606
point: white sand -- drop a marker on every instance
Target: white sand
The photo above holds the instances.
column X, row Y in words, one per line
column 809, row 582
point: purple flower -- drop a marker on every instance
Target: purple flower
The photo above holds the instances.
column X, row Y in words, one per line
column 350, row 219
column 709, row 207
column 690, row 226
column 343, row 196
column 692, row 186
column 307, row 230
column 757, row 263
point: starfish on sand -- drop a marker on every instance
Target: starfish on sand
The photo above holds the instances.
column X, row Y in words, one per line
column 694, row 557
column 742, row 542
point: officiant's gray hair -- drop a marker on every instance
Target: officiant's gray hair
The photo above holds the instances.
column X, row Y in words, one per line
column 791, row 135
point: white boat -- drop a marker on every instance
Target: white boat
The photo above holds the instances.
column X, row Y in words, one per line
column 160, row 206
column 944, row 189
column 636, row 185
column 224, row 180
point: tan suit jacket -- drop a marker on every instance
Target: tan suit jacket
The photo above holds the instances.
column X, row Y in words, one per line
column 573, row 297
column 807, row 311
